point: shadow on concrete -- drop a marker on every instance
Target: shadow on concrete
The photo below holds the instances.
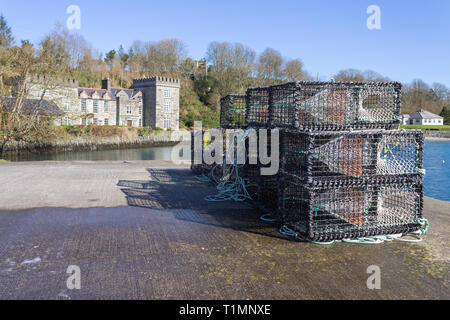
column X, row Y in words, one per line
column 180, row 192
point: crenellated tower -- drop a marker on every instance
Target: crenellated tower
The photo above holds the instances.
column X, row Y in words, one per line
column 161, row 101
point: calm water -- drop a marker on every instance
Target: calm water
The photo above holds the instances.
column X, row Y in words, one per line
column 153, row 153
column 437, row 179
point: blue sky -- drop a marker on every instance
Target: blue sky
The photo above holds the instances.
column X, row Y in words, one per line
column 414, row 40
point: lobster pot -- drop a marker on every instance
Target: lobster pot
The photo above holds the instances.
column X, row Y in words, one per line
column 326, row 105
column 351, row 211
column 342, row 155
column 257, row 111
column 268, row 192
column 205, row 145
column 232, row 112
column 251, row 174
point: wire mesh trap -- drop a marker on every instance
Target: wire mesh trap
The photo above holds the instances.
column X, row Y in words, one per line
column 251, row 174
column 325, row 105
column 232, row 111
column 351, row 154
column 203, row 137
column 325, row 214
column 257, row 111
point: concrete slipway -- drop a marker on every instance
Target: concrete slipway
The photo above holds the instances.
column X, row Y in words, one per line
column 142, row 230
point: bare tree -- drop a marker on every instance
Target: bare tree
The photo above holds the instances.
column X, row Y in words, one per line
column 293, row 71
column 270, row 65
column 232, row 66
column 23, row 120
column 349, row 75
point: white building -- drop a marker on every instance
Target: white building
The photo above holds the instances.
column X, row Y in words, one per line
column 405, row 119
column 423, row 117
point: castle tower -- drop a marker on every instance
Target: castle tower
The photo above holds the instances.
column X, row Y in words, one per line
column 161, row 101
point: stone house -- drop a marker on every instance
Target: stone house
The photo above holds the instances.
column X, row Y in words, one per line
column 152, row 102
column 162, row 96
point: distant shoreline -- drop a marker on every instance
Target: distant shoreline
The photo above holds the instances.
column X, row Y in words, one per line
column 436, row 139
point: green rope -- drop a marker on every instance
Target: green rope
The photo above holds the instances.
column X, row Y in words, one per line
column 315, row 210
column 424, row 225
column 295, row 151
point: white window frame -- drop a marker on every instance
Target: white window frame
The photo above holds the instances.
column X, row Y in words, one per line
column 167, row 93
column 106, row 106
column 129, row 109
column 167, row 123
column 83, row 105
column 106, row 122
column 95, row 106
column 167, row 106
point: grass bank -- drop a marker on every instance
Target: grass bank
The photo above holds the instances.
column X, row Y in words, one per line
column 425, row 127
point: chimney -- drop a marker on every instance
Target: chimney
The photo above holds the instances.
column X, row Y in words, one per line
column 106, row 84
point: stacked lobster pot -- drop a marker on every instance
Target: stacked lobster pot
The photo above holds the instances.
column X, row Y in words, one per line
column 232, row 116
column 346, row 171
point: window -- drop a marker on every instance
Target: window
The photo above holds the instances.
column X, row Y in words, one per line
column 67, row 106
column 95, row 121
column 83, row 121
column 106, row 107
column 83, row 105
column 95, row 106
column 167, row 106
column 140, row 109
column 128, row 109
column 167, row 94
column 167, row 123
column 140, row 122
column 106, row 122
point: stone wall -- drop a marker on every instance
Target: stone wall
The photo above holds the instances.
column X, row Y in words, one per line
column 158, row 91
column 125, row 115
column 432, row 134
column 162, row 138
column 100, row 115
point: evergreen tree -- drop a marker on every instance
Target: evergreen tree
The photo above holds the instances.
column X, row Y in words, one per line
column 445, row 113
column 6, row 37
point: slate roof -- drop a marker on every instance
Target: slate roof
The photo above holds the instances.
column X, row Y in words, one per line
column 30, row 105
column 424, row 114
column 114, row 91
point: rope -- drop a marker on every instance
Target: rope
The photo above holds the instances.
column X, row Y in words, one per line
column 265, row 218
column 231, row 186
column 369, row 240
